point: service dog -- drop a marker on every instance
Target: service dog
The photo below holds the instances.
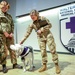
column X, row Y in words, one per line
column 26, row 54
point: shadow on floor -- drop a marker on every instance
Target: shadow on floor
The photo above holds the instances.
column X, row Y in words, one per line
column 51, row 65
column 37, row 64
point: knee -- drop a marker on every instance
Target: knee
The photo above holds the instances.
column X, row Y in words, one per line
column 55, row 57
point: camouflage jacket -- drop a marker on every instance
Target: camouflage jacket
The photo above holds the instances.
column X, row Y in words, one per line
column 36, row 25
column 6, row 23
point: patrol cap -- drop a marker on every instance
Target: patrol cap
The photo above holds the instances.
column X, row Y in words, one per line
column 34, row 12
column 4, row 3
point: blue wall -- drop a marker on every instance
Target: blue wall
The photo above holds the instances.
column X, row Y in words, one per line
column 25, row 6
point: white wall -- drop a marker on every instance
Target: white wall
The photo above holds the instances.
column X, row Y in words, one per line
column 53, row 16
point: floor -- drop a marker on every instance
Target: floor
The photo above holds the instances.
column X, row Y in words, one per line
column 66, row 62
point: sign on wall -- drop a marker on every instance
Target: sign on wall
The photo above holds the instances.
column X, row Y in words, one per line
column 67, row 27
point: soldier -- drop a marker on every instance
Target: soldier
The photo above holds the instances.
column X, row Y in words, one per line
column 6, row 36
column 42, row 26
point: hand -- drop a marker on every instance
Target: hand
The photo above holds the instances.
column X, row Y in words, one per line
column 39, row 32
column 6, row 34
column 21, row 42
column 11, row 35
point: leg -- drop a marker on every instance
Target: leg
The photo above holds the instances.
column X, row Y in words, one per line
column 3, row 54
column 32, row 59
column 31, row 65
column 24, row 65
column 52, row 47
column 23, row 60
column 12, row 54
column 42, row 45
column 3, row 62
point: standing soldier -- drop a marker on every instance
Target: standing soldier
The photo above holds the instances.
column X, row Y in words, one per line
column 6, row 36
column 42, row 26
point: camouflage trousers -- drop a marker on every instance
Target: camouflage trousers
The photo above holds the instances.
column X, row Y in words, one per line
column 11, row 52
column 4, row 48
column 3, row 54
column 3, row 57
column 49, row 40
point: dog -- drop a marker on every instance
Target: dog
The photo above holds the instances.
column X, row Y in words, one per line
column 26, row 54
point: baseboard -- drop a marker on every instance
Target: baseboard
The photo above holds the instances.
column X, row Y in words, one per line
column 57, row 52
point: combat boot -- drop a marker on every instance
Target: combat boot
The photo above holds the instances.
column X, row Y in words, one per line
column 17, row 66
column 43, row 68
column 57, row 68
column 4, row 68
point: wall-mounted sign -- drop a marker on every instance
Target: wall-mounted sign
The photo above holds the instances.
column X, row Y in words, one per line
column 67, row 27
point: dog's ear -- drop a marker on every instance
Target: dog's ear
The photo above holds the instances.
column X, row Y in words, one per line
column 12, row 47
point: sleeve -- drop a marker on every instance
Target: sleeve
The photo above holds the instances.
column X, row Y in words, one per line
column 3, row 24
column 29, row 30
column 12, row 26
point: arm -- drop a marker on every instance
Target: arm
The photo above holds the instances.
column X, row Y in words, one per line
column 12, row 27
column 3, row 32
column 29, row 30
column 3, row 24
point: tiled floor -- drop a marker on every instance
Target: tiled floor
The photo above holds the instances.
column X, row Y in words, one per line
column 66, row 62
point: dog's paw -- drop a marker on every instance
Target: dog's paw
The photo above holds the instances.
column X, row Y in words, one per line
column 24, row 70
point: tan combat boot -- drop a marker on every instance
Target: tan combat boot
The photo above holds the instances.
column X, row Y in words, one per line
column 43, row 68
column 57, row 68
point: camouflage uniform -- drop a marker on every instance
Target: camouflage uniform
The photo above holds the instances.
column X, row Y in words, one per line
column 45, row 38
column 6, row 25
